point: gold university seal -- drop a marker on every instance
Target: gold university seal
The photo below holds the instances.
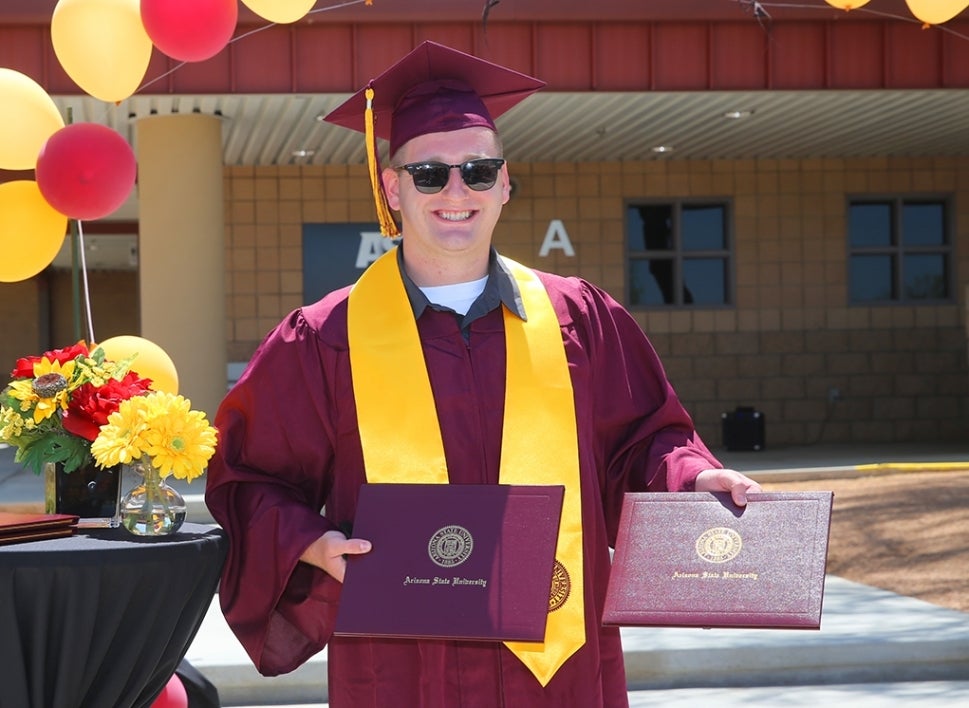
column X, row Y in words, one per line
column 561, row 587
column 718, row 545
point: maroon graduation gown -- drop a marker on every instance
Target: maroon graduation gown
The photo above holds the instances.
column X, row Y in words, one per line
column 289, row 445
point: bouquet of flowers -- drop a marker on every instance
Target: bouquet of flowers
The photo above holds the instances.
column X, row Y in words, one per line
column 73, row 406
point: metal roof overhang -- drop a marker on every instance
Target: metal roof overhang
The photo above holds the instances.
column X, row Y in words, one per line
column 623, row 77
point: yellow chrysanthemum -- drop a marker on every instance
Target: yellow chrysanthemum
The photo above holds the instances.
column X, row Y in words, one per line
column 162, row 425
column 181, row 446
column 121, row 439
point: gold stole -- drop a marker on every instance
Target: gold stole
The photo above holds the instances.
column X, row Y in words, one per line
column 402, row 441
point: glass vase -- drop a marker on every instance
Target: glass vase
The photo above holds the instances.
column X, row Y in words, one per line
column 152, row 508
column 89, row 492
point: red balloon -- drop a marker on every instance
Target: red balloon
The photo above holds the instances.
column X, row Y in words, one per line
column 190, row 30
column 173, row 695
column 86, row 171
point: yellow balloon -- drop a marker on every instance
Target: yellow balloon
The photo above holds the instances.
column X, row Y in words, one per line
column 31, row 231
column 935, row 12
column 151, row 362
column 28, row 117
column 281, row 11
column 847, row 4
column 102, row 45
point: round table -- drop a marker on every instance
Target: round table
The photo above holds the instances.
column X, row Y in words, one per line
column 102, row 618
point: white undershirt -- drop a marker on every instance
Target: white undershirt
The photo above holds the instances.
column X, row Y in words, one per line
column 458, row 297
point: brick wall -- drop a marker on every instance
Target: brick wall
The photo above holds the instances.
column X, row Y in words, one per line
column 38, row 314
column 902, row 372
column 114, row 305
column 24, row 321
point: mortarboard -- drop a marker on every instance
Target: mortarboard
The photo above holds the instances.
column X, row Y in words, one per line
column 433, row 89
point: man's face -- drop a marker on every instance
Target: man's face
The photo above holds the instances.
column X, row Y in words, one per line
column 457, row 222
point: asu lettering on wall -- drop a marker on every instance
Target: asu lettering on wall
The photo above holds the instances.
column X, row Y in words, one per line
column 334, row 255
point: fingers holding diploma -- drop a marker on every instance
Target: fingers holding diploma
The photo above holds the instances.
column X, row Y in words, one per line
column 726, row 480
column 329, row 550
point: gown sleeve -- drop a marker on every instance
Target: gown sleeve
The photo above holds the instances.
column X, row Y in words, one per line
column 266, row 486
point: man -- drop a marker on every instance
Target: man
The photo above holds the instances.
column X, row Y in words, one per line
column 444, row 363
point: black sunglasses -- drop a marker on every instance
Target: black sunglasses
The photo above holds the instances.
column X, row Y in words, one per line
column 431, row 177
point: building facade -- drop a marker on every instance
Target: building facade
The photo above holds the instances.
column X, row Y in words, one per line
column 827, row 289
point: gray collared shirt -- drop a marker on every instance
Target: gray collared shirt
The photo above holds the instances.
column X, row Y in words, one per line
column 500, row 288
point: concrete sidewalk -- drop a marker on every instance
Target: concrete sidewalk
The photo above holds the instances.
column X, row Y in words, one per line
column 874, row 648
column 869, row 638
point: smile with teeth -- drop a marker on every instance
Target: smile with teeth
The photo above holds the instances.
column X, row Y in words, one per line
column 455, row 215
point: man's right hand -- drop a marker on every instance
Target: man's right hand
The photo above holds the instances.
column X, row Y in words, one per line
column 327, row 552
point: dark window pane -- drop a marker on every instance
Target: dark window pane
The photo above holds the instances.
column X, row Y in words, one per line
column 704, row 281
column 702, row 228
column 871, row 278
column 634, row 230
column 651, row 281
column 923, row 224
column 924, row 277
column 870, row 225
column 651, row 227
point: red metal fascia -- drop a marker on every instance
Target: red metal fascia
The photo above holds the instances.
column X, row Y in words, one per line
column 677, row 55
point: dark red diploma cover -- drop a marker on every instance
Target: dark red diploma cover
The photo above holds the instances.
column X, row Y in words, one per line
column 694, row 559
column 17, row 527
column 461, row 561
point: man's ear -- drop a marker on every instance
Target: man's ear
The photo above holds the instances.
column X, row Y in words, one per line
column 505, row 184
column 391, row 180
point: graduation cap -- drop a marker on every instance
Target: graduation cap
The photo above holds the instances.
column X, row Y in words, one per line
column 434, row 89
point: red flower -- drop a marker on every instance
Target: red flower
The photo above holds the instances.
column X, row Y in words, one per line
column 90, row 405
column 24, row 369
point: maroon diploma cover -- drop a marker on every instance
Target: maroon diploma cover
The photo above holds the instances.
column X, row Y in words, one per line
column 458, row 561
column 17, row 527
column 695, row 559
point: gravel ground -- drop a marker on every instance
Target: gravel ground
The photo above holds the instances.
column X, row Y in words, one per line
column 906, row 533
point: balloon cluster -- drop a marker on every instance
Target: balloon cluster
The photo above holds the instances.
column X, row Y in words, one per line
column 31, row 230
column 105, row 45
column 930, row 12
column 86, row 171
column 81, row 171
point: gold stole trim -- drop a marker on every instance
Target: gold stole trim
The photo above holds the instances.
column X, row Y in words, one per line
column 401, row 436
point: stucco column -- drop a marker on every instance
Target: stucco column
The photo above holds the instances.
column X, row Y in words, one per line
column 181, row 254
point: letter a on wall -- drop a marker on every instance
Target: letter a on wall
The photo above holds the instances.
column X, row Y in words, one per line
column 372, row 246
column 334, row 255
column 556, row 237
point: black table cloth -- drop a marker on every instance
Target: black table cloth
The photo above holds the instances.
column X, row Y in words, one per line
column 102, row 619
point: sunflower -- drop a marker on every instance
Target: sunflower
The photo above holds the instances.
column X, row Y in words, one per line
column 47, row 392
column 43, row 406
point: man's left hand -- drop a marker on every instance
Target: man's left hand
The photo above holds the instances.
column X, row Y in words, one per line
column 725, row 480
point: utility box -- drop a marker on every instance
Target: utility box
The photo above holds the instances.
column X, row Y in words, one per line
column 743, row 429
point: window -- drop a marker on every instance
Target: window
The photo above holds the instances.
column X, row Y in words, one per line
column 899, row 250
column 678, row 254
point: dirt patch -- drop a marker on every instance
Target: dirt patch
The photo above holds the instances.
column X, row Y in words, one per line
column 907, row 533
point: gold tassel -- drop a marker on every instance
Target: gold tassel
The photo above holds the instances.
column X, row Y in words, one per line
column 388, row 226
